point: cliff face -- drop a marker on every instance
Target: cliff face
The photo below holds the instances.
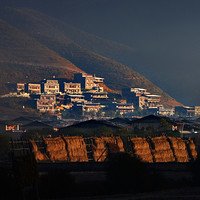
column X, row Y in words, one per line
column 57, row 45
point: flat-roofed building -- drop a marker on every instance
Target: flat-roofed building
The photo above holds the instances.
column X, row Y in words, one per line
column 140, row 98
column 20, row 87
column 46, row 103
column 153, row 100
column 91, row 107
column 124, row 108
column 50, row 87
column 98, row 80
column 97, row 97
column 197, row 111
column 185, row 111
column 166, row 111
column 97, row 89
column 71, row 98
column 72, row 88
column 139, row 90
column 132, row 94
column 84, row 108
column 33, row 88
column 141, row 102
column 86, row 80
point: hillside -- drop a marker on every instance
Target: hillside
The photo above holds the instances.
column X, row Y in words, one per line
column 22, row 57
column 44, row 30
column 86, row 40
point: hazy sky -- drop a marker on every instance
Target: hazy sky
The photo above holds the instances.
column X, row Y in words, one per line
column 165, row 33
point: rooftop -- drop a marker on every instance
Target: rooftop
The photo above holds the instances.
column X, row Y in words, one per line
column 153, row 95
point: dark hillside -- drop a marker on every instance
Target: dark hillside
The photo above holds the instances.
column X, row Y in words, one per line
column 24, row 59
column 86, row 40
column 18, row 47
column 52, row 37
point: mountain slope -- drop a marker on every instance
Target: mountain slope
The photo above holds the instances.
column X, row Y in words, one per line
column 22, row 56
column 114, row 50
column 86, row 40
column 116, row 75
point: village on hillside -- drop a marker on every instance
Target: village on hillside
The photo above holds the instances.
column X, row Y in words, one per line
column 81, row 127
column 60, row 103
column 86, row 96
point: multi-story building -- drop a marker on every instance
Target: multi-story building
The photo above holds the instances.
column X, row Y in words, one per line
column 91, row 107
column 197, row 111
column 71, row 98
column 185, row 111
column 72, row 88
column 98, row 97
column 153, row 101
column 20, row 87
column 132, row 94
column 33, row 88
column 98, row 80
column 84, row 108
column 165, row 111
column 46, row 103
column 50, row 87
column 97, row 89
column 140, row 98
column 124, row 108
column 87, row 81
column 139, row 91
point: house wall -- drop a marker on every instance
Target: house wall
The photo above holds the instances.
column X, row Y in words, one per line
column 33, row 88
column 72, row 88
column 51, row 87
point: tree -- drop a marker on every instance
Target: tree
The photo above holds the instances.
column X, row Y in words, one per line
column 165, row 126
column 4, row 146
column 127, row 173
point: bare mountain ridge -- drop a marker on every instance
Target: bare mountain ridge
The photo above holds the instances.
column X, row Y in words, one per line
column 54, row 38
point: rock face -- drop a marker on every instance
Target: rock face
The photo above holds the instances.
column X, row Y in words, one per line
column 74, row 149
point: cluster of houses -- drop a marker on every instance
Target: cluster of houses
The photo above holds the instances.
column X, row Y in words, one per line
column 85, row 94
column 187, row 111
column 150, row 124
column 141, row 98
column 144, row 100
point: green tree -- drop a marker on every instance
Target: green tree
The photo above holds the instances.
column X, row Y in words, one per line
column 164, row 125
